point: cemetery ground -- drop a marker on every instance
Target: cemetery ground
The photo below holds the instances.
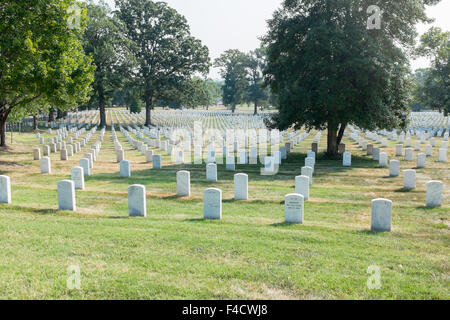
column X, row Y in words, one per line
column 249, row 254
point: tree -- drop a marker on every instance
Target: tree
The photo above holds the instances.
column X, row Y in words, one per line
column 213, row 90
column 105, row 41
column 165, row 51
column 42, row 62
column 329, row 69
column 232, row 64
column 436, row 87
column 255, row 65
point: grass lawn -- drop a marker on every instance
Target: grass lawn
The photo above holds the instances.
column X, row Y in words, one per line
column 249, row 254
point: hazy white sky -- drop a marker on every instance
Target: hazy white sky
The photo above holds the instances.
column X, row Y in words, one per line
column 237, row 24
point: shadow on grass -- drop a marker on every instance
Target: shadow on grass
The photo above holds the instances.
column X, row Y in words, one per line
column 36, row 211
column 284, row 224
column 290, row 168
column 198, row 220
column 428, row 208
column 403, row 190
column 371, row 232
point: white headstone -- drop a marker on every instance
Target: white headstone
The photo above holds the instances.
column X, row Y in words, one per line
column 120, row 155
column 428, row 150
column 125, row 170
column 91, row 160
column 66, row 195
column 408, row 154
column 398, row 150
column 394, row 168
column 46, row 165
column 211, row 172
column 409, row 179
column 241, row 186
column 294, row 208
column 310, row 162
column 383, row 160
column 46, row 150
column 434, row 193
column 283, row 153
column 212, row 204
column 77, row 174
column 230, row 165
column 5, row 189
column 421, row 160
column 381, row 215
column 243, row 157
column 183, row 183
column 308, row 171
column 376, row 154
column 442, row 155
column 69, row 150
column 302, row 186
column 137, row 204
column 149, row 156
column 269, row 165
column 347, row 159
column 37, row 154
column 416, row 145
column 84, row 163
column 64, row 155
column 157, row 162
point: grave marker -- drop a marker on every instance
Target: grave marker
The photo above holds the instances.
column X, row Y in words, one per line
column 294, row 208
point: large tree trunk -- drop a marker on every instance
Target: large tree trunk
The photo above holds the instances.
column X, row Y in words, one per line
column 102, row 116
column 101, row 105
column 59, row 114
column 332, row 145
column 334, row 137
column 4, row 112
column 2, row 132
column 148, row 111
column 35, row 123
column 51, row 115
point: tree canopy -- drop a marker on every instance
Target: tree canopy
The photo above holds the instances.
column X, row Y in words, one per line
column 165, row 51
column 435, row 89
column 105, row 41
column 42, row 62
column 328, row 69
column 232, row 64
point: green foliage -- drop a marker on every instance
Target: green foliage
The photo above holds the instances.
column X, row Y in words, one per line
column 166, row 53
column 233, row 64
column 256, row 62
column 328, row 70
column 435, row 89
column 42, row 62
column 192, row 93
column 105, row 41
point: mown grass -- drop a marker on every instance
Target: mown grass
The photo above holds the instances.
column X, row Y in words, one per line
column 250, row 253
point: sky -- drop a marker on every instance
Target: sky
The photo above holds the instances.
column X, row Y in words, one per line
column 237, row 24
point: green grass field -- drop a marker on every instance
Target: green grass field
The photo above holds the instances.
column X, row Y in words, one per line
column 249, row 254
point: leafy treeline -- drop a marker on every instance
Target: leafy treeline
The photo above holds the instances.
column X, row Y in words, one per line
column 243, row 78
column 42, row 61
column 431, row 86
column 319, row 62
column 330, row 68
column 56, row 55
